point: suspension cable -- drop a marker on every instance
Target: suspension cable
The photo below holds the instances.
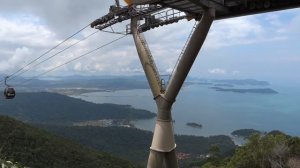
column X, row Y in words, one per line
column 114, row 32
column 54, row 55
column 76, row 58
column 39, row 57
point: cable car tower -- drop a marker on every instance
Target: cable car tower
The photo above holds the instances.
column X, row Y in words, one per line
column 148, row 14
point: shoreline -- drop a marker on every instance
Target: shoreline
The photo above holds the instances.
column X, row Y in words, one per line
column 144, row 101
column 128, row 124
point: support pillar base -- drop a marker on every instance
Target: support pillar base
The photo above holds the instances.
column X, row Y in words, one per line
column 163, row 138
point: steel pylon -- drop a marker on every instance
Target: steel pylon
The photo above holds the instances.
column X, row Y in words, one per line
column 162, row 150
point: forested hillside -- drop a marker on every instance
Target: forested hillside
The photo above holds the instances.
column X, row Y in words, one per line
column 133, row 144
column 57, row 112
column 36, row 148
column 52, row 108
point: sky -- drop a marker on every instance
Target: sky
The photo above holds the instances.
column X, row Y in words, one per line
column 263, row 46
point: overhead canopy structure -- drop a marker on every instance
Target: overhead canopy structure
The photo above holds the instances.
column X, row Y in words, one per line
column 170, row 11
column 225, row 8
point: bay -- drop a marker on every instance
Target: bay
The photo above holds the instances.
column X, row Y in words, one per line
column 218, row 112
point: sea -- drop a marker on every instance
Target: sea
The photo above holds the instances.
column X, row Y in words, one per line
column 218, row 112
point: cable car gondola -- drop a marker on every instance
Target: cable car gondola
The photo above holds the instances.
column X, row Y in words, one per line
column 9, row 92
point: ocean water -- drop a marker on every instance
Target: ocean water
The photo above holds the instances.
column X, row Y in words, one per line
column 218, row 112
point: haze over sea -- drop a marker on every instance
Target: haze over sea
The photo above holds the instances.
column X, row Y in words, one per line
column 219, row 112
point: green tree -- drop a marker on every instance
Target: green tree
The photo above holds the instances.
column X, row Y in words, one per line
column 274, row 150
column 214, row 151
column 261, row 152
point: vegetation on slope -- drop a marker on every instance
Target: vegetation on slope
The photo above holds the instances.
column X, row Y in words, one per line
column 35, row 148
column 269, row 151
column 9, row 164
column 38, row 149
column 245, row 133
column 52, row 108
column 133, row 144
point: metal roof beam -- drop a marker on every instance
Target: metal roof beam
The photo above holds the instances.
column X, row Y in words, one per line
column 141, row 2
column 211, row 4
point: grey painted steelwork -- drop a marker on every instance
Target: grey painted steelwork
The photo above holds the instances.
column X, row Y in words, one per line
column 146, row 59
column 162, row 150
column 156, row 10
column 229, row 8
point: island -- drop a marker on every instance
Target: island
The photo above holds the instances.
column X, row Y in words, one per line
column 198, row 83
column 223, row 85
column 240, row 82
column 204, row 83
column 245, row 133
column 194, row 125
column 258, row 90
column 76, row 91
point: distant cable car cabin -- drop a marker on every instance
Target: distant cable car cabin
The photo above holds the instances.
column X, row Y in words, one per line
column 9, row 92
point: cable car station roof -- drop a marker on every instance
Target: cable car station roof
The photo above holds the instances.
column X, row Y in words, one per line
column 157, row 13
column 225, row 8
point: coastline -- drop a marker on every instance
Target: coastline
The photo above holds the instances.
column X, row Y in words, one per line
column 232, row 117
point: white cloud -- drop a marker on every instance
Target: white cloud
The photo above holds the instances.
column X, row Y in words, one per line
column 25, row 30
column 39, row 30
column 10, row 63
column 235, row 72
column 293, row 27
column 214, row 72
column 78, row 66
column 288, row 60
column 243, row 31
column 217, row 71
